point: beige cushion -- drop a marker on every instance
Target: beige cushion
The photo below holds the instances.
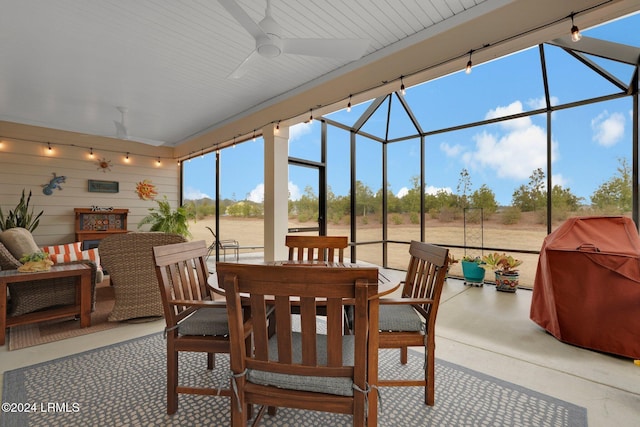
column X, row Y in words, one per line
column 19, row 242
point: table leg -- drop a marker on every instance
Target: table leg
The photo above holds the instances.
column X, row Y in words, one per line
column 84, row 291
column 3, row 311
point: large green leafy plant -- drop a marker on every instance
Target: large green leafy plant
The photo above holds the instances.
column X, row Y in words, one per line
column 20, row 216
column 166, row 220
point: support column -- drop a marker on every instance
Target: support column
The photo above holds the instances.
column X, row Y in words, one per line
column 276, row 191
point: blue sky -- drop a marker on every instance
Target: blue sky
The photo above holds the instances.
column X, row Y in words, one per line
column 587, row 141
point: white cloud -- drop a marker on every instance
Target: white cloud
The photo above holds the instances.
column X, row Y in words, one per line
column 195, row 194
column 537, row 103
column 519, row 148
column 559, row 180
column 608, row 129
column 451, row 150
column 257, row 194
column 300, row 130
column 430, row 189
column 402, row 192
column 294, row 191
column 513, row 155
column 513, row 108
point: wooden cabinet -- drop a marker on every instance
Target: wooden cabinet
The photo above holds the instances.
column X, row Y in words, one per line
column 94, row 225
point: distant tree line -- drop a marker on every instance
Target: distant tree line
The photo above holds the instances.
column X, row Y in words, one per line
column 613, row 196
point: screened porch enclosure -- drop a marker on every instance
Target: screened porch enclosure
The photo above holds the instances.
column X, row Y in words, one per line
column 493, row 169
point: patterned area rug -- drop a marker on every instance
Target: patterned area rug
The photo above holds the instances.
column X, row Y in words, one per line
column 124, row 384
column 55, row 330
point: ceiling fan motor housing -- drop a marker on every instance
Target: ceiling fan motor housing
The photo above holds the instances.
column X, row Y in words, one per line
column 269, row 46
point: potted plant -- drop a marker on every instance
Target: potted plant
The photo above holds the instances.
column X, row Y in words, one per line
column 472, row 270
column 164, row 219
column 20, row 216
column 504, row 266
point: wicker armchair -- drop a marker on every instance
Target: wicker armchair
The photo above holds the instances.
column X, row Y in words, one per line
column 28, row 297
column 128, row 259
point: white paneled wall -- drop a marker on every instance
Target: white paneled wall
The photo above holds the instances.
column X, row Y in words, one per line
column 26, row 163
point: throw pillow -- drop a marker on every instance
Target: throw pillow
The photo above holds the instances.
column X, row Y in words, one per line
column 19, row 242
column 90, row 254
column 63, row 249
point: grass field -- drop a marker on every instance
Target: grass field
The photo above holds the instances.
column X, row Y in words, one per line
column 526, row 235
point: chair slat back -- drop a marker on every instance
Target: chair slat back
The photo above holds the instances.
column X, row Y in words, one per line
column 182, row 275
column 426, row 275
column 270, row 292
column 321, row 248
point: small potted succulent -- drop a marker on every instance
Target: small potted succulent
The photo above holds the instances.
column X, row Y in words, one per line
column 37, row 261
column 472, row 270
column 506, row 274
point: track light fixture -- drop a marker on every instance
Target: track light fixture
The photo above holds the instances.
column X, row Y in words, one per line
column 402, row 88
column 349, row 105
column 575, row 31
column 469, row 64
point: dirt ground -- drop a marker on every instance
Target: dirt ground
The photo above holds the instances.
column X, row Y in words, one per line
column 526, row 235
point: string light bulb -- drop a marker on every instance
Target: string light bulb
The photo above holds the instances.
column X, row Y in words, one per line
column 126, row 157
column 575, row 31
column 402, row 88
column 310, row 114
column 158, row 162
column 91, row 152
column 349, row 105
column 278, row 127
column 469, row 64
column 50, row 148
column 254, row 135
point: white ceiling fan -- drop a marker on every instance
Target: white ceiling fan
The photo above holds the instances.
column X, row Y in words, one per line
column 123, row 133
column 270, row 43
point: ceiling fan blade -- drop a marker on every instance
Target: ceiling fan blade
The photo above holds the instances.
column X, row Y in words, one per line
column 244, row 65
column 243, row 18
column 330, row 48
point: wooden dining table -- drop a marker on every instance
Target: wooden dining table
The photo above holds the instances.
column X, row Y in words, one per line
column 388, row 283
column 388, row 280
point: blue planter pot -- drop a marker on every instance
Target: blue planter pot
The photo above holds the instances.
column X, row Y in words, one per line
column 473, row 274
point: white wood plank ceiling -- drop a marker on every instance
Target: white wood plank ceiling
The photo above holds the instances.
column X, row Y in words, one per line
column 68, row 64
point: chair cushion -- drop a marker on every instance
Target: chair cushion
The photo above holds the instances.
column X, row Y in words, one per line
column 400, row 317
column 332, row 385
column 206, row 321
column 19, row 241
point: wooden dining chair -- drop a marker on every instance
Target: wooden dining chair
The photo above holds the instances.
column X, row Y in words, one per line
column 411, row 319
column 302, row 367
column 195, row 322
column 320, row 248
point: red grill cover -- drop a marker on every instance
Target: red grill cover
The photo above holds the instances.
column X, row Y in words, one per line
column 587, row 286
